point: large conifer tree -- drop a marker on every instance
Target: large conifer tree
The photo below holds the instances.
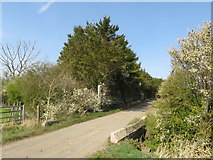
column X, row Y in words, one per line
column 97, row 54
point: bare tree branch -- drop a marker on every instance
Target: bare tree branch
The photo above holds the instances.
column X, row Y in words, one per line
column 17, row 59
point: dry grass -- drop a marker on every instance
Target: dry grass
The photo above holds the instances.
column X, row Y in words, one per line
column 29, row 123
column 5, row 125
column 26, row 123
column 198, row 148
column 8, row 125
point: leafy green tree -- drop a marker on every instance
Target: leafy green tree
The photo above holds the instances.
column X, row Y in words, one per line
column 42, row 84
column 149, row 85
column 180, row 99
column 13, row 92
column 96, row 54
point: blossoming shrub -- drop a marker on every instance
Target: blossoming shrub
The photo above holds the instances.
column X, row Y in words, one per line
column 51, row 112
column 185, row 124
column 195, row 58
column 182, row 123
column 78, row 101
column 82, row 101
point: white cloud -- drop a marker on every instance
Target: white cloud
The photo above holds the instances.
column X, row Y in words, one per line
column 45, row 6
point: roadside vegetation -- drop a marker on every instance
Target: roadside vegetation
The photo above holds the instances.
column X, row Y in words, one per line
column 183, row 127
column 124, row 149
column 94, row 56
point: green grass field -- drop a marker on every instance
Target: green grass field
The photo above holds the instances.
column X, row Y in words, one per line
column 2, row 115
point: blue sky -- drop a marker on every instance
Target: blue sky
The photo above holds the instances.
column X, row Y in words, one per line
column 150, row 27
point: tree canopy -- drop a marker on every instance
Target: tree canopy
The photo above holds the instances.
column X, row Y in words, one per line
column 93, row 55
column 96, row 54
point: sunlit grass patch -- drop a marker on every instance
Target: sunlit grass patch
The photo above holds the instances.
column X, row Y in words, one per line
column 121, row 150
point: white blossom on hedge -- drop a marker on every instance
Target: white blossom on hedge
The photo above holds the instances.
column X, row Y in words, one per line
column 195, row 57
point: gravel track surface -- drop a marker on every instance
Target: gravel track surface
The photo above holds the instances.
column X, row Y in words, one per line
column 77, row 141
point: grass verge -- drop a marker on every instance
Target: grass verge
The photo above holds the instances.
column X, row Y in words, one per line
column 135, row 120
column 121, row 150
column 10, row 134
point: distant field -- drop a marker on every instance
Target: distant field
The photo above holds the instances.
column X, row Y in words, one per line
column 2, row 115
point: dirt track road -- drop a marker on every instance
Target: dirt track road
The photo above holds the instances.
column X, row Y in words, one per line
column 77, row 141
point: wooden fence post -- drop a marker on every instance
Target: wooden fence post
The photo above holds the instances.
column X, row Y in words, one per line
column 38, row 114
column 12, row 113
column 99, row 94
column 23, row 113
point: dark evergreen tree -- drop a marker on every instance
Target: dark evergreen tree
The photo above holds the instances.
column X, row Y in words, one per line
column 96, row 54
